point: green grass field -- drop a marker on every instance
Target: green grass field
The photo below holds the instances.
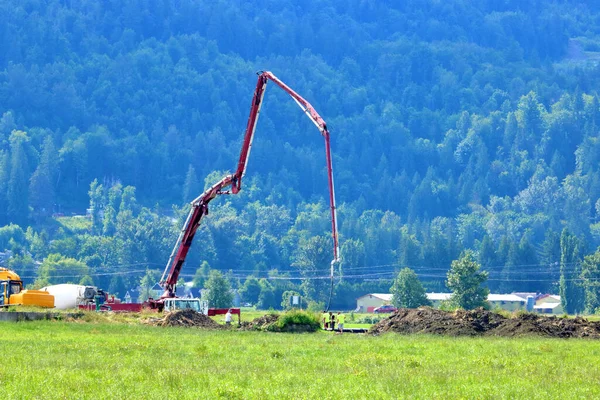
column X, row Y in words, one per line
column 70, row 360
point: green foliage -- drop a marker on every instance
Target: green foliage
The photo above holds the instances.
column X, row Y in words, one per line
column 219, row 290
column 250, row 292
column 465, row 117
column 266, row 298
column 315, row 307
column 11, row 232
column 313, row 259
column 57, row 268
column 465, row 280
column 201, row 275
column 149, row 279
column 18, row 187
column 590, row 275
column 86, row 281
column 407, row 290
column 191, row 186
column 572, row 296
column 42, row 193
column 294, row 319
column 286, row 300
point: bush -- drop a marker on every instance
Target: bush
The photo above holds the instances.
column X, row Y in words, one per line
column 296, row 321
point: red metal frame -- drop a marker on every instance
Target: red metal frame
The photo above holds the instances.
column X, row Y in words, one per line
column 200, row 204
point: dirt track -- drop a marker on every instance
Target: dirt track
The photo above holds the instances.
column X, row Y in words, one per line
column 481, row 322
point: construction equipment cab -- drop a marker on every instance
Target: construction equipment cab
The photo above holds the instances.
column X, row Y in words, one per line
column 197, row 305
column 12, row 293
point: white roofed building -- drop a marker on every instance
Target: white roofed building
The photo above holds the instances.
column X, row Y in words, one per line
column 549, row 304
column 437, row 298
column 371, row 301
column 508, row 302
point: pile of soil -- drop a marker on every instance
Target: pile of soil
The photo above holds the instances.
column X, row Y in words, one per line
column 187, row 317
column 482, row 322
column 531, row 324
column 260, row 323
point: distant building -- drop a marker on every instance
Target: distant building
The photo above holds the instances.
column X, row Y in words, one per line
column 548, row 304
column 371, row 301
column 436, row 299
column 508, row 302
column 156, row 291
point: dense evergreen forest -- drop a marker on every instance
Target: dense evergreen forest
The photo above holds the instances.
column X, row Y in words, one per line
column 455, row 125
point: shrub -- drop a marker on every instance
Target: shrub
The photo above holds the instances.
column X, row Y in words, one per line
column 296, row 321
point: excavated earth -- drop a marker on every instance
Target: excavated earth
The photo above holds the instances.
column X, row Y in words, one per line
column 188, row 318
column 481, row 322
column 260, row 323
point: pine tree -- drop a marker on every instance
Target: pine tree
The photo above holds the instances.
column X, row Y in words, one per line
column 111, row 210
column 550, row 260
column 528, row 261
column 4, row 176
column 571, row 294
column 96, row 205
column 42, row 183
column 191, row 187
column 590, row 275
column 487, row 255
column 18, row 188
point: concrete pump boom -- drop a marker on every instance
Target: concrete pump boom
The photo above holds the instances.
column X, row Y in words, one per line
column 234, row 181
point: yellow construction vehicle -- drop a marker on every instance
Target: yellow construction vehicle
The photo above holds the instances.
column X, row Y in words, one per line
column 12, row 293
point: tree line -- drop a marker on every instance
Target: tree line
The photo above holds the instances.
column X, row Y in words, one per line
column 454, row 126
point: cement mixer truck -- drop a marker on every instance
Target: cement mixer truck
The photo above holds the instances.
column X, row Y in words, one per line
column 67, row 295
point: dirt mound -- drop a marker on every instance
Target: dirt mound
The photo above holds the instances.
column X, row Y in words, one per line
column 482, row 322
column 188, row 318
column 531, row 324
column 429, row 320
column 260, row 323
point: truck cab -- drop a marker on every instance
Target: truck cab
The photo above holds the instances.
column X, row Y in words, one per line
column 12, row 293
column 172, row 304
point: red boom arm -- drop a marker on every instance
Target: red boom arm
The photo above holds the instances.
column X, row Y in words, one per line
column 200, row 204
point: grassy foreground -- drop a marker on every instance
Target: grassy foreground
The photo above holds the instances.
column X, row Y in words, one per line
column 61, row 360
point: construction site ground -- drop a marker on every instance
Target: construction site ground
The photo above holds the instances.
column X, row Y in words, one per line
column 482, row 322
column 424, row 320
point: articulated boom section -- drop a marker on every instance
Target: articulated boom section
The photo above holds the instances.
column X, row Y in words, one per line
column 184, row 242
column 200, row 204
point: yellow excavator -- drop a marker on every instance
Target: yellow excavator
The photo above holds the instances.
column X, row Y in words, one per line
column 12, row 293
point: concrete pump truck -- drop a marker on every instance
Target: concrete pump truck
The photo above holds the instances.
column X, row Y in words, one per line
column 232, row 184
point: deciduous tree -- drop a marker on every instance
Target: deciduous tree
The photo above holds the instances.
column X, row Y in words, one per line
column 408, row 292
column 466, row 282
column 219, row 290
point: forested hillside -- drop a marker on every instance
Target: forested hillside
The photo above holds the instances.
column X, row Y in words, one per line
column 455, row 125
